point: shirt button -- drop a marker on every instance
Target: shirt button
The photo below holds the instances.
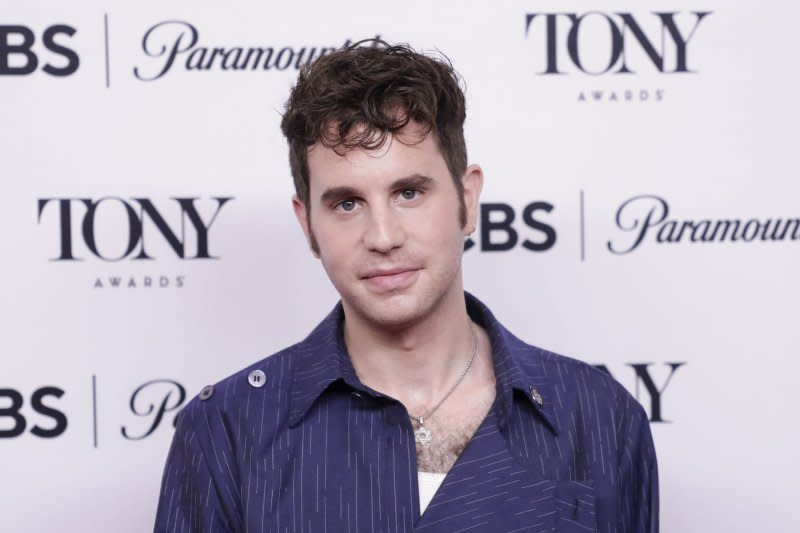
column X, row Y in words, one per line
column 207, row 392
column 356, row 394
column 257, row 378
column 537, row 397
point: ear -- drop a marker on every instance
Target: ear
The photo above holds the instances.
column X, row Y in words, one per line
column 301, row 213
column 473, row 184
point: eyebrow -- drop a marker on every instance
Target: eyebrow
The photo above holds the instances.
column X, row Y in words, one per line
column 334, row 195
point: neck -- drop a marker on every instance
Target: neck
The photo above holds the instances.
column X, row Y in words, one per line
column 417, row 363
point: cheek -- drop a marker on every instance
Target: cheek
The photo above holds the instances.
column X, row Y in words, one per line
column 439, row 226
column 337, row 247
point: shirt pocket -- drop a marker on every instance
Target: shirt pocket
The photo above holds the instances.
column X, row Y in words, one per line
column 574, row 507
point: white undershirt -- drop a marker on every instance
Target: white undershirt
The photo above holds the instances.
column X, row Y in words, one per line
column 428, row 485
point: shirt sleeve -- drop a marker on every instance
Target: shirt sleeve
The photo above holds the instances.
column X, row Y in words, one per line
column 638, row 497
column 189, row 501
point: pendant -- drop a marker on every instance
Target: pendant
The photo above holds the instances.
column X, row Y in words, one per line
column 423, row 435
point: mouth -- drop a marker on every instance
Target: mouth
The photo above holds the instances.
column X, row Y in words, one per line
column 391, row 279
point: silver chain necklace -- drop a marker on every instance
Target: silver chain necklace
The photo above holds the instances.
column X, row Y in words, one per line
column 424, row 435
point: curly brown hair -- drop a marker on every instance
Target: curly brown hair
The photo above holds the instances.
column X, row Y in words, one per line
column 357, row 96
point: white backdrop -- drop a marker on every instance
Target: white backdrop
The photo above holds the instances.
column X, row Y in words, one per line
column 705, row 125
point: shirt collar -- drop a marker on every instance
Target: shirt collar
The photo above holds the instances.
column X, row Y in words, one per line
column 322, row 359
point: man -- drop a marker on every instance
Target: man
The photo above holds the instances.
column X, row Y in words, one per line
column 410, row 389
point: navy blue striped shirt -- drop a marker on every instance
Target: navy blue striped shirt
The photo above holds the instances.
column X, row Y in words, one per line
column 311, row 449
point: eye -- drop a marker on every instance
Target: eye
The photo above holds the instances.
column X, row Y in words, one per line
column 409, row 194
column 346, row 205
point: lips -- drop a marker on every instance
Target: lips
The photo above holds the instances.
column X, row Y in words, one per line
column 387, row 272
column 392, row 279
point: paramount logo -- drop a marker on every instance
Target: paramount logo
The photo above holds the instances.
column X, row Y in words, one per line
column 176, row 44
column 647, row 217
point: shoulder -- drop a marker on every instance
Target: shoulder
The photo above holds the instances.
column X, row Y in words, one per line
column 563, row 372
column 253, row 404
column 589, row 402
column 244, row 396
column 571, row 373
column 573, row 383
column 581, row 388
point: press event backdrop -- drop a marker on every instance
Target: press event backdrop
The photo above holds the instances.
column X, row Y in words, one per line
column 640, row 213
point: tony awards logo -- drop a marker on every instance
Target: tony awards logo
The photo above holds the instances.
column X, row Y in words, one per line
column 112, row 230
column 623, row 45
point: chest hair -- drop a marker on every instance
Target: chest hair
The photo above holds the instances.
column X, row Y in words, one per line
column 451, row 434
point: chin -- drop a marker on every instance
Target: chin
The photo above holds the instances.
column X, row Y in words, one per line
column 392, row 311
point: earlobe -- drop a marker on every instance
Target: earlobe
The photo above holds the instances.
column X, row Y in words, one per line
column 473, row 184
column 301, row 213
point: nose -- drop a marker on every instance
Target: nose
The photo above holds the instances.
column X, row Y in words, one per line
column 384, row 231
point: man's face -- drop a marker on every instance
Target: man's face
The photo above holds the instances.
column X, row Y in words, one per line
column 386, row 225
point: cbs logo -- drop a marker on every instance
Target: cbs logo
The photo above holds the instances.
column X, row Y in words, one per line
column 20, row 55
column 500, row 232
column 13, row 412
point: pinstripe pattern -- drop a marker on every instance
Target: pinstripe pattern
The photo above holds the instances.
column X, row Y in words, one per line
column 314, row 450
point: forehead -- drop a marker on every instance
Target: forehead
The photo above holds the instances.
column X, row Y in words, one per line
column 400, row 155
